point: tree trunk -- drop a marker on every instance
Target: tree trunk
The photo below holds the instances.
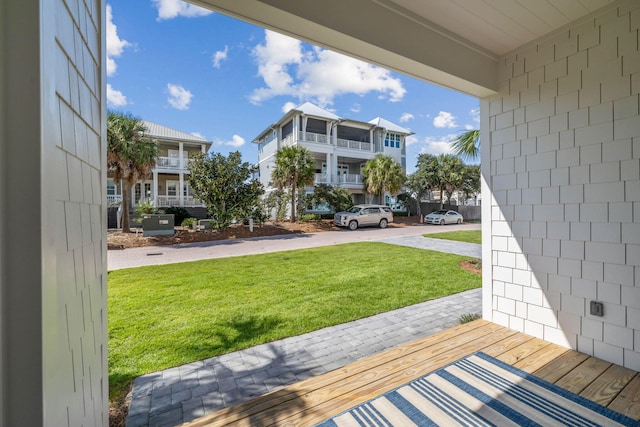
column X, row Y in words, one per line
column 293, row 203
column 126, row 203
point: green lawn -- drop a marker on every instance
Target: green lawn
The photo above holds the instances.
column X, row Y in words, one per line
column 470, row 236
column 164, row 316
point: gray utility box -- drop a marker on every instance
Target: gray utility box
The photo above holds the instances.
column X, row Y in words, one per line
column 205, row 224
column 157, row 225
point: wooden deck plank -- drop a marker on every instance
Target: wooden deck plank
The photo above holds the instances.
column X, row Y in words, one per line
column 316, row 399
column 608, row 385
column 628, row 401
column 561, row 366
column 583, row 375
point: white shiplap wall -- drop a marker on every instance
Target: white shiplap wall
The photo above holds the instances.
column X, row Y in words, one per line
column 564, row 136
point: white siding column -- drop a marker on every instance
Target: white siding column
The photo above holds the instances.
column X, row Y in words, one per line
column 203, row 148
column 181, row 155
column 372, row 135
column 181, row 189
column 304, row 128
column 328, row 171
column 53, row 349
column 155, row 188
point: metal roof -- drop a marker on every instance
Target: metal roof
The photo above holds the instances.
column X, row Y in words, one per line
column 157, row 131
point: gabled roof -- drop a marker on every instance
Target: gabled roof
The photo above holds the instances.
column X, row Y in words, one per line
column 157, row 131
column 310, row 109
column 390, row 126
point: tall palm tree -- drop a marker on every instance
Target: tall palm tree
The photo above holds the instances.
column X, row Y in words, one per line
column 293, row 170
column 130, row 155
column 382, row 174
column 467, row 145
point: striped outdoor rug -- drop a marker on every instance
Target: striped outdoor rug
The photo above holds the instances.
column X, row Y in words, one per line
column 479, row 391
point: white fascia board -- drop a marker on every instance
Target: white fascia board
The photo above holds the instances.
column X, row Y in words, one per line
column 373, row 32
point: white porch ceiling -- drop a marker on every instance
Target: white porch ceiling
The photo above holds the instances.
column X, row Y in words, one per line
column 453, row 43
column 498, row 26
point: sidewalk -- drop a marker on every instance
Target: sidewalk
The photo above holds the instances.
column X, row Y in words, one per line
column 156, row 255
column 184, row 393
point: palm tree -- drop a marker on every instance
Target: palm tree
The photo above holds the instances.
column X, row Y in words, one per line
column 130, row 156
column 467, row 145
column 294, row 169
column 382, row 174
column 444, row 172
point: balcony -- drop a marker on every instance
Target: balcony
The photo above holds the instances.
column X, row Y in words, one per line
column 320, row 138
column 172, row 163
column 341, row 180
column 188, row 201
column 113, row 199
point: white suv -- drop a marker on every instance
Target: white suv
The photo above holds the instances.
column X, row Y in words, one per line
column 364, row 215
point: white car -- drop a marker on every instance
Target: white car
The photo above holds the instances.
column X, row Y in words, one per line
column 364, row 215
column 443, row 217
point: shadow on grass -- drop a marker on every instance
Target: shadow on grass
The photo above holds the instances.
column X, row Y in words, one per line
column 190, row 391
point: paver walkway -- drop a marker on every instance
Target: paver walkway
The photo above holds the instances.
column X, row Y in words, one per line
column 181, row 394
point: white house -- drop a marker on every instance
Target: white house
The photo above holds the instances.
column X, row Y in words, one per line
column 559, row 89
column 339, row 146
column 175, row 149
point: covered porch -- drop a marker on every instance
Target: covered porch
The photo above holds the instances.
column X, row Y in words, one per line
column 316, row 399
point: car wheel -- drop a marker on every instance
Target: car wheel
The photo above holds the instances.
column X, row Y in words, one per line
column 353, row 225
column 442, row 222
column 459, row 221
column 383, row 223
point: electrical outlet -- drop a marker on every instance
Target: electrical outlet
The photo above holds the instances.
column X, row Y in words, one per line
column 596, row 308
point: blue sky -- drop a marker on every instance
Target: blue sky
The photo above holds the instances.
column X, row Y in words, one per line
column 214, row 76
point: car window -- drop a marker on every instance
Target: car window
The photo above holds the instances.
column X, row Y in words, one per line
column 386, row 209
column 354, row 209
column 452, row 213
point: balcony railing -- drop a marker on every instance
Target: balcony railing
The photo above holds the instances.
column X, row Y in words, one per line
column 354, row 145
column 350, row 178
column 166, row 201
column 319, row 138
column 113, row 198
column 172, row 163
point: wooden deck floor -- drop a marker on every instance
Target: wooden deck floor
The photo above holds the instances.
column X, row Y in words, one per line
column 316, row 399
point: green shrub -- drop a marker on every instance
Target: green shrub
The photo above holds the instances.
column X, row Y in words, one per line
column 179, row 213
column 146, row 207
column 308, row 217
column 189, row 222
column 469, row 317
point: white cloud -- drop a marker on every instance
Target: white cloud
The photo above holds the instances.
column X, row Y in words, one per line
column 115, row 45
column 220, row 56
column 169, row 9
column 410, row 140
column 356, row 108
column 179, row 97
column 444, row 120
column 316, row 74
column 475, row 115
column 198, row 134
column 437, row 145
column 406, row 117
column 115, row 98
column 236, row 141
column 288, row 106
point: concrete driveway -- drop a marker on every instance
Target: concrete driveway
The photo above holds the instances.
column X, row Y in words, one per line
column 156, row 255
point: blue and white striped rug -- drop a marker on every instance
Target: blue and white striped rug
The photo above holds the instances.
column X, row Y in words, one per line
column 479, row 391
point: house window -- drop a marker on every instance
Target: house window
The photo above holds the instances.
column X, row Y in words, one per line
column 172, row 188
column 392, row 140
column 111, row 188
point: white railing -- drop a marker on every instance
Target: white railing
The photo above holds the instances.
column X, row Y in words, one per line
column 350, row 178
column 354, row 145
column 172, row 163
column 289, row 140
column 113, row 198
column 166, row 201
column 319, row 138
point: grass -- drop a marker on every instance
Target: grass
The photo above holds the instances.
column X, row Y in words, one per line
column 164, row 316
column 470, row 236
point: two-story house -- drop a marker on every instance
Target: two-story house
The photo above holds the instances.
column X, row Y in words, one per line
column 339, row 146
column 168, row 184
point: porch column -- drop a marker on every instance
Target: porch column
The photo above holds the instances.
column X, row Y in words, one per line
column 328, row 171
column 304, row 127
column 155, row 188
column 203, row 148
column 372, row 135
column 181, row 155
column 181, row 189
